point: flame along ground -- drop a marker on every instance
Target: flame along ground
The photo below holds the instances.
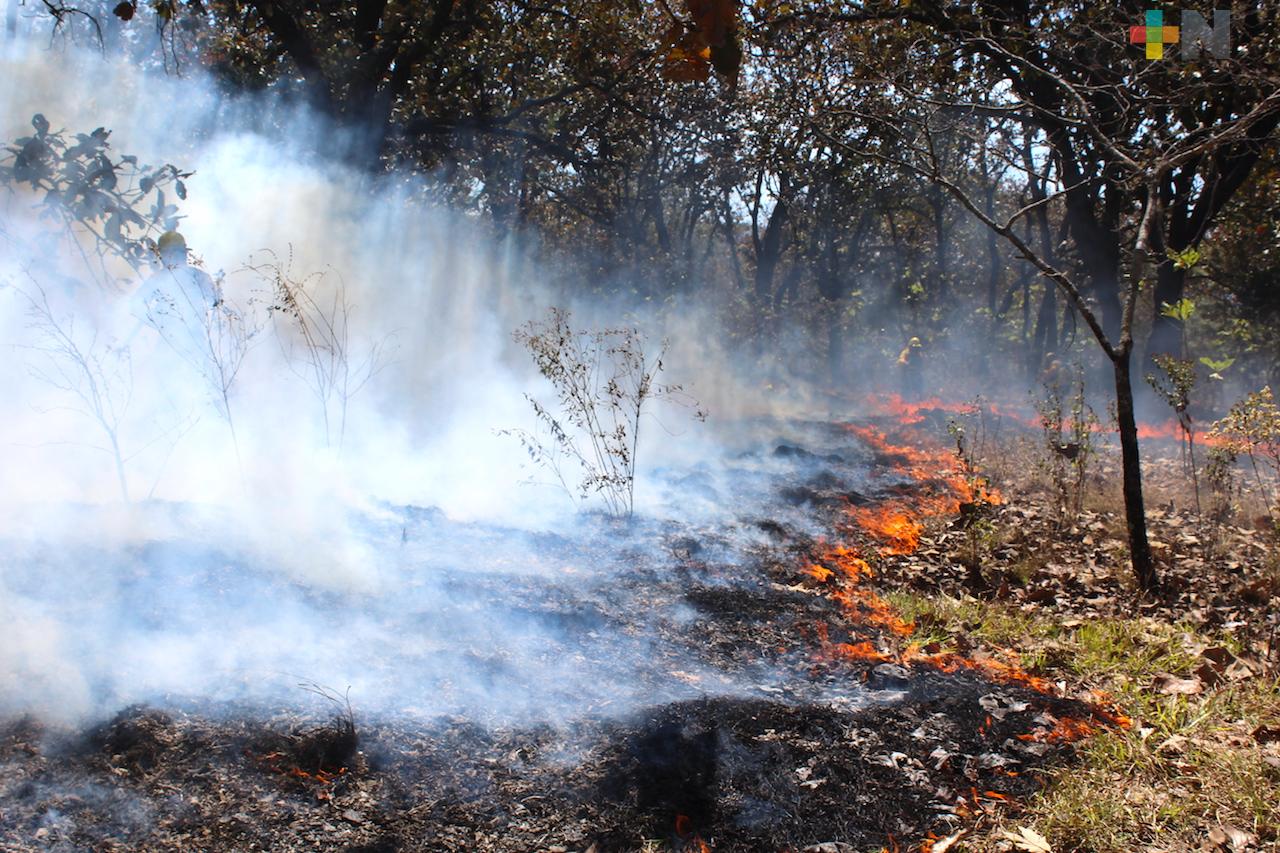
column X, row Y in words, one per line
column 941, row 487
column 909, row 414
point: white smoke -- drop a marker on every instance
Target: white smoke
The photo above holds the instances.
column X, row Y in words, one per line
column 248, row 560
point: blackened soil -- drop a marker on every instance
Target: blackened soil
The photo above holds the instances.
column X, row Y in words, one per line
column 798, row 749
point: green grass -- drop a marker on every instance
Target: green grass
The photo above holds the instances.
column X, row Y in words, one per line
column 1187, row 765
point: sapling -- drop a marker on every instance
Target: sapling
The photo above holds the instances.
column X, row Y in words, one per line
column 1174, row 387
column 1067, row 426
column 1251, row 430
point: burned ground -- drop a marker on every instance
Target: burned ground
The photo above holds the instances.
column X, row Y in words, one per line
column 775, row 706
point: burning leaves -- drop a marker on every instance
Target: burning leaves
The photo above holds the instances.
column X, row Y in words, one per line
column 315, row 756
column 930, row 740
column 938, row 483
column 891, row 524
column 281, row 763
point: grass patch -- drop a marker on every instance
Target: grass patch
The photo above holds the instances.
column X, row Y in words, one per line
column 1188, row 765
column 954, row 621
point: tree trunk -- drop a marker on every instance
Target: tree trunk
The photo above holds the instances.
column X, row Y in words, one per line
column 770, row 251
column 1135, row 515
column 1166, row 332
column 1046, row 333
column 835, row 346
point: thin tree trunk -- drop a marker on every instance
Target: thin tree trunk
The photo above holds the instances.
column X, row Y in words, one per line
column 1135, row 515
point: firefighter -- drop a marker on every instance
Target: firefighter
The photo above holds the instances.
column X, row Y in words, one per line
column 177, row 301
column 911, row 367
column 194, row 284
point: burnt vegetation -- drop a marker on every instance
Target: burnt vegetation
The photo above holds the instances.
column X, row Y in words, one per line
column 947, row 577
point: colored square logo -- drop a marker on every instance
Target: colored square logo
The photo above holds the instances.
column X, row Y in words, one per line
column 1155, row 35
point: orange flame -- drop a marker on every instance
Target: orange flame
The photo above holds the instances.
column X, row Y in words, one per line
column 1065, row 730
column 893, row 525
column 896, row 526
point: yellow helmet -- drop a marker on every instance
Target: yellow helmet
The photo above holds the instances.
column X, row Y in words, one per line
column 171, row 245
column 914, row 342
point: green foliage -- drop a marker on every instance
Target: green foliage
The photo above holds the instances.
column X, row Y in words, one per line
column 121, row 204
column 1216, row 365
column 1185, row 260
column 1251, row 430
column 1180, row 310
column 1174, row 387
column 1177, row 382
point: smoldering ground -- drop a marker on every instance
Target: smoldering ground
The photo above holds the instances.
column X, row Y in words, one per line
column 386, row 537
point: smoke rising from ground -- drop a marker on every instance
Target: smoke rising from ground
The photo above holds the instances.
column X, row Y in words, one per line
column 261, row 543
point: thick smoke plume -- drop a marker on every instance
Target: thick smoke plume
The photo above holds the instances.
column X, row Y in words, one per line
column 269, row 533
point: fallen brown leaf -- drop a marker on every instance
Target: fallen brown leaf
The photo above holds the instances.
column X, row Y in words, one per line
column 1171, row 685
column 1029, row 840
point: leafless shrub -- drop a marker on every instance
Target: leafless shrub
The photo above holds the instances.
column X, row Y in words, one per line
column 317, row 343
column 1068, row 425
column 95, row 374
column 602, row 381
column 187, row 310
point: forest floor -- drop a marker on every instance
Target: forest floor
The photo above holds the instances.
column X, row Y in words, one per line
column 1196, row 666
column 933, row 656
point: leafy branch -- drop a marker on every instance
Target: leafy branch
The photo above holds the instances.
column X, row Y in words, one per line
column 121, row 204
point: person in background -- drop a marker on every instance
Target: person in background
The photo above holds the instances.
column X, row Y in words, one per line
column 176, row 300
column 911, row 368
column 178, row 278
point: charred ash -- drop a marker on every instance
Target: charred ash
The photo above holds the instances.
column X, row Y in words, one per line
column 774, row 701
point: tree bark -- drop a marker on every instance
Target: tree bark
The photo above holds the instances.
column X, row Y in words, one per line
column 770, row 251
column 1046, row 333
column 1135, row 514
column 1166, row 332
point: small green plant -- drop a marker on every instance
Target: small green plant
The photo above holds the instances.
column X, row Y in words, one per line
column 1067, row 425
column 1216, row 366
column 1251, row 430
column 603, row 381
column 1174, row 387
column 1220, row 475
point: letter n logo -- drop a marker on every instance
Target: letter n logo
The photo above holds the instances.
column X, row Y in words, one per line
column 1198, row 36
